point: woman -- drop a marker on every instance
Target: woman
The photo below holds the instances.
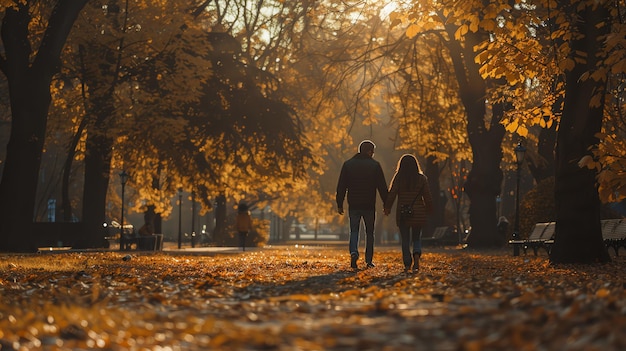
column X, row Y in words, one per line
column 243, row 224
column 410, row 185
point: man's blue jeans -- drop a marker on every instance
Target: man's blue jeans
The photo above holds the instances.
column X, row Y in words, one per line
column 369, row 218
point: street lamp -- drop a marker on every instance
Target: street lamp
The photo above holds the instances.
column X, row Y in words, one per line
column 180, row 212
column 123, row 179
column 193, row 219
column 520, row 151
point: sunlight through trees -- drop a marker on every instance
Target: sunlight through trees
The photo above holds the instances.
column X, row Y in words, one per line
column 261, row 102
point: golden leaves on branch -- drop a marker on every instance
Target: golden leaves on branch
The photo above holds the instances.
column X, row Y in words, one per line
column 610, row 163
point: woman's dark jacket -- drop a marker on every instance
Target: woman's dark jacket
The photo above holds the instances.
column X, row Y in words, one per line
column 422, row 206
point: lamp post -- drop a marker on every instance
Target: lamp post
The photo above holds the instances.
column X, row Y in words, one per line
column 180, row 212
column 520, row 151
column 193, row 219
column 123, row 179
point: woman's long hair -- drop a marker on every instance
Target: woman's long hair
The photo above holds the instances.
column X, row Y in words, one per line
column 407, row 171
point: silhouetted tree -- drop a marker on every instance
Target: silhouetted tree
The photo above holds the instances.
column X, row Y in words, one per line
column 29, row 73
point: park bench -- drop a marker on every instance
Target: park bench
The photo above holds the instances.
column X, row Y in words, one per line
column 614, row 233
column 542, row 236
column 438, row 236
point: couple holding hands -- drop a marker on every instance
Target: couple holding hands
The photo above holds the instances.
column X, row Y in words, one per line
column 361, row 177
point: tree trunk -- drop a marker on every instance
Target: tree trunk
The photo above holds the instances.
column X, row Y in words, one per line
column 154, row 217
column 482, row 187
column 96, row 74
column 485, row 178
column 98, row 154
column 219, row 233
column 97, row 172
column 578, row 236
column 29, row 91
column 29, row 102
column 542, row 165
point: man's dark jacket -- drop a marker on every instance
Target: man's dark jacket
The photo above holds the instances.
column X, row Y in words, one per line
column 360, row 177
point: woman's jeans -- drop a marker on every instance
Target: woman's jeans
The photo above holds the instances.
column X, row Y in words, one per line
column 369, row 218
column 410, row 234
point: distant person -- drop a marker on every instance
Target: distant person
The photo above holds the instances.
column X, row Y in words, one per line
column 361, row 176
column 415, row 202
column 243, row 224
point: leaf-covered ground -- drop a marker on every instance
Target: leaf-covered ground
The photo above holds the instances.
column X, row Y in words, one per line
column 307, row 298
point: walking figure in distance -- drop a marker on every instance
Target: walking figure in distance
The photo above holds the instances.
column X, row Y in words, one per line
column 243, row 223
column 361, row 176
column 415, row 202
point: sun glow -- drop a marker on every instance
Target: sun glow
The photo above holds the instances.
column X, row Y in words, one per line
column 389, row 8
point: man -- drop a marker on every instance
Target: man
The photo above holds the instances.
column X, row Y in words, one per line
column 360, row 177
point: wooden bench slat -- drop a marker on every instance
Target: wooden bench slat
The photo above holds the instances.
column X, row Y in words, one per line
column 618, row 231
column 542, row 236
column 614, row 233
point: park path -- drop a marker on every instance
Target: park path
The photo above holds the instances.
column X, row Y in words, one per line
column 307, row 298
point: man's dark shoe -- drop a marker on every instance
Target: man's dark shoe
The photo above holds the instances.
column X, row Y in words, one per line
column 370, row 265
column 353, row 258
